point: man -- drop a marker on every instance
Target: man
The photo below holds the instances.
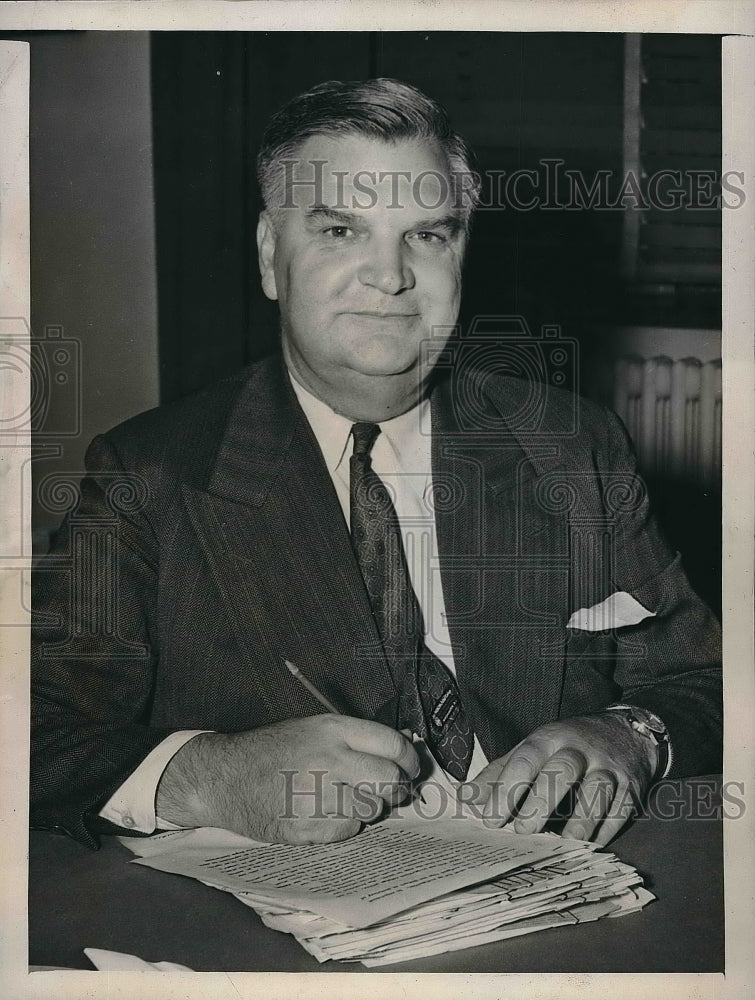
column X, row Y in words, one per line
column 450, row 556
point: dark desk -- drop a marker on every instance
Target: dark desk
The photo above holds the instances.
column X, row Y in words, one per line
column 79, row 898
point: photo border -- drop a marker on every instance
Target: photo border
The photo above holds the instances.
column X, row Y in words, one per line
column 694, row 16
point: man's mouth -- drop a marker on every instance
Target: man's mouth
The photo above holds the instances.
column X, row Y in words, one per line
column 375, row 314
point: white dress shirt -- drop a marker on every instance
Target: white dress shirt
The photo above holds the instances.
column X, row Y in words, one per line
column 401, row 457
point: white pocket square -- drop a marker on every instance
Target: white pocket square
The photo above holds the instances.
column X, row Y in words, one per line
column 616, row 611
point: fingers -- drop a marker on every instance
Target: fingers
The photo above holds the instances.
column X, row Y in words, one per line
column 371, row 777
column 331, row 831
column 520, row 791
column 512, row 782
column 356, row 768
column 588, row 765
column 595, row 797
column 560, row 772
column 377, row 740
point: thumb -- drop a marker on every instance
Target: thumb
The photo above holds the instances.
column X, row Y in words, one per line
column 477, row 790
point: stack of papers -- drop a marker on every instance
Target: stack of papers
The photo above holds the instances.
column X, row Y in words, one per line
column 405, row 887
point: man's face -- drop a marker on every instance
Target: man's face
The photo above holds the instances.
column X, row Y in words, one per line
column 366, row 265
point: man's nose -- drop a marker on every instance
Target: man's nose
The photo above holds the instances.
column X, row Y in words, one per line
column 386, row 267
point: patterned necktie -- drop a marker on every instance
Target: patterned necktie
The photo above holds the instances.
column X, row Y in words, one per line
column 429, row 700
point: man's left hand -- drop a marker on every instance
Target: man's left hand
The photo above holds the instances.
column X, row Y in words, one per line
column 599, row 758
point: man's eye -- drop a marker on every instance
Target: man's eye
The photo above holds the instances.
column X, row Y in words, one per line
column 338, row 232
column 427, row 236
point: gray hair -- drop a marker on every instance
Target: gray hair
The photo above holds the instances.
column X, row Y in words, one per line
column 380, row 109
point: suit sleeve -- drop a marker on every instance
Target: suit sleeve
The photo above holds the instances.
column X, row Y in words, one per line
column 669, row 663
column 94, row 650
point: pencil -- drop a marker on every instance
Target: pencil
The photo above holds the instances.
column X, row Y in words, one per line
column 311, row 688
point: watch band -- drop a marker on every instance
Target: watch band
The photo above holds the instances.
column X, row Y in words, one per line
column 651, row 727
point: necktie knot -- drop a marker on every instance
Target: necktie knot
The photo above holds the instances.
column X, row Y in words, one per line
column 364, row 437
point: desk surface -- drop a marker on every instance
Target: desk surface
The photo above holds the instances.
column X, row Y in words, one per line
column 79, row 898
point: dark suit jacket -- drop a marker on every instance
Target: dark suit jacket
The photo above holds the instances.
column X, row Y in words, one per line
column 208, row 544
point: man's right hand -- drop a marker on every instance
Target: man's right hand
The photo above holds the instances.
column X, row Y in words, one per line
column 301, row 781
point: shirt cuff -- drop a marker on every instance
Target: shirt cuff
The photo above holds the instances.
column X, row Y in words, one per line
column 132, row 806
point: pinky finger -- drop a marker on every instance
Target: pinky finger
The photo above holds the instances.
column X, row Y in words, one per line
column 623, row 808
column 594, row 799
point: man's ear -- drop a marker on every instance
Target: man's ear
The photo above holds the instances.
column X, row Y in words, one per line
column 266, row 254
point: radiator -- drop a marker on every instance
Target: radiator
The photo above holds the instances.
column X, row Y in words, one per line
column 672, row 410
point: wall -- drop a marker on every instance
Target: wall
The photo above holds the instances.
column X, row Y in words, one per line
column 92, row 239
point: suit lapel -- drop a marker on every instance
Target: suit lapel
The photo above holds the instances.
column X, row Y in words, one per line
column 504, row 569
column 272, row 530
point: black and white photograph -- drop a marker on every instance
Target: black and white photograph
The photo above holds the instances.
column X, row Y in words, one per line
column 378, row 476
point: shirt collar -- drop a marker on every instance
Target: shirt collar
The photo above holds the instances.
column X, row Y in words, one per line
column 406, row 434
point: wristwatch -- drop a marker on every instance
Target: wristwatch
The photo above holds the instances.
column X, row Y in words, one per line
column 652, row 728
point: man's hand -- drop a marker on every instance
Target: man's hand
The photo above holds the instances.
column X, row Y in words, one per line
column 302, row 781
column 598, row 757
